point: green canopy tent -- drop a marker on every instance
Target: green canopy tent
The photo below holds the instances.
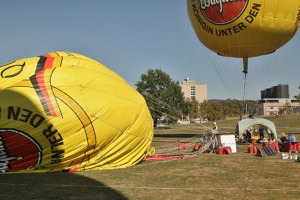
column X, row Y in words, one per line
column 245, row 123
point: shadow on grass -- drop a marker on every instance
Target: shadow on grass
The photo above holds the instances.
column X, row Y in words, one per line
column 54, row 186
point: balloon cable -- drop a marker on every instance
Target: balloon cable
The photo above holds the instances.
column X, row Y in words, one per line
column 244, row 94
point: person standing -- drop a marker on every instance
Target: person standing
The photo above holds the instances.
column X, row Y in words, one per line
column 249, row 133
column 261, row 133
column 215, row 128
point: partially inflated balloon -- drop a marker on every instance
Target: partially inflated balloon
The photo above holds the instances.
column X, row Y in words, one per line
column 244, row 28
column 64, row 111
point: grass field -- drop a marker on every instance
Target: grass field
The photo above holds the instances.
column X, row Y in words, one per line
column 207, row 176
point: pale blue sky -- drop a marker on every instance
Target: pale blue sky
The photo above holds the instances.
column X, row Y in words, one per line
column 131, row 36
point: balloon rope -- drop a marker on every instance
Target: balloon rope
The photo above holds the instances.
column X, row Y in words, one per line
column 244, row 93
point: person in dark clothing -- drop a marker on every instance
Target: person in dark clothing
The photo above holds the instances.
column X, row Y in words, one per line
column 261, row 133
column 272, row 137
column 282, row 140
column 248, row 136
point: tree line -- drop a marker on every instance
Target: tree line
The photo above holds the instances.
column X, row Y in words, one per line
column 164, row 97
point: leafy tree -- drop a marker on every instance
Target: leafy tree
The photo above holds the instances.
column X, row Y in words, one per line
column 203, row 113
column 246, row 107
column 298, row 97
column 162, row 94
column 218, row 112
column 251, row 107
column 287, row 107
column 194, row 111
column 206, row 111
column 230, row 109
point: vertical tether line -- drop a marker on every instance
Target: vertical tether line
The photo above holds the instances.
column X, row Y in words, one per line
column 244, row 94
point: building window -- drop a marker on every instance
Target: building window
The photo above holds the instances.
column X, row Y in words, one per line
column 193, row 90
column 193, row 98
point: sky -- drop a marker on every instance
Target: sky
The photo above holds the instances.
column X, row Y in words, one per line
column 131, row 36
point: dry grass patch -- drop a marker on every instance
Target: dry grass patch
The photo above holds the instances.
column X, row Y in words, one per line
column 207, row 176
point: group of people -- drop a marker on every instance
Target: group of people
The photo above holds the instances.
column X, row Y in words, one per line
column 289, row 138
column 258, row 136
column 286, row 138
column 253, row 135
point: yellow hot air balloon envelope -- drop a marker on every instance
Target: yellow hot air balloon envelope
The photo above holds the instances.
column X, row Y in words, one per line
column 244, row 28
column 64, row 111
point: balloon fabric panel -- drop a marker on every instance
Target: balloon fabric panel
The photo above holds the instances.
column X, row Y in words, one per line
column 246, row 28
column 71, row 112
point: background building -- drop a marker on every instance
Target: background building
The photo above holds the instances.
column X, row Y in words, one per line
column 275, row 100
column 194, row 91
column 280, row 91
